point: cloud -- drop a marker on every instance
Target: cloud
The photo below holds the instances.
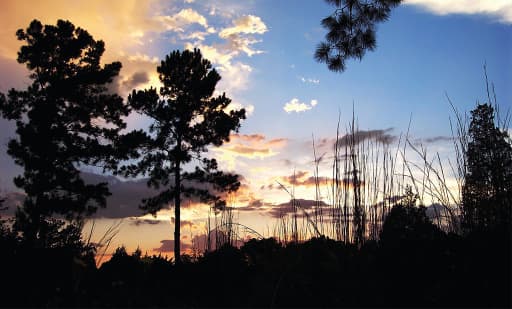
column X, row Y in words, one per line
column 167, row 246
column 235, row 74
column 248, row 137
column 138, row 72
column 182, row 19
column 238, row 43
column 139, row 221
column 184, row 223
column 128, row 28
column 254, row 145
column 253, row 205
column 12, row 200
column 310, row 80
column 296, row 205
column 501, row 10
column 237, row 40
column 237, row 36
column 296, row 106
column 435, row 139
column 127, row 196
column 248, row 24
column 136, row 79
column 360, row 136
column 303, row 179
column 247, row 146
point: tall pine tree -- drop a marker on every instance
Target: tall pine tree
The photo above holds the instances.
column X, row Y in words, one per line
column 487, row 191
column 66, row 118
column 187, row 119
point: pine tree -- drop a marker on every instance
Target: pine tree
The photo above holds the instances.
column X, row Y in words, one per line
column 487, row 190
column 187, row 119
column 64, row 119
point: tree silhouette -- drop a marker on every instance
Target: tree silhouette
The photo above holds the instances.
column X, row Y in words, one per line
column 351, row 30
column 487, row 190
column 64, row 119
column 187, row 119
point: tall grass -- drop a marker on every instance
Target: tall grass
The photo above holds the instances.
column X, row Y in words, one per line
column 368, row 176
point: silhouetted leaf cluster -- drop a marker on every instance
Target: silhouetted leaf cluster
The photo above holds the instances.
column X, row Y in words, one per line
column 351, row 30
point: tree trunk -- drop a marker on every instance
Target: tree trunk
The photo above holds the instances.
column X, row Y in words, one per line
column 177, row 220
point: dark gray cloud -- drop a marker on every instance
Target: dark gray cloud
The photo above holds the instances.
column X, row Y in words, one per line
column 120, row 86
column 254, row 205
column 287, row 208
column 12, row 201
column 326, row 145
column 126, row 196
column 123, row 203
column 139, row 221
column 381, row 136
column 7, row 166
column 138, row 78
column 183, row 223
column 14, row 74
column 435, row 139
column 167, row 246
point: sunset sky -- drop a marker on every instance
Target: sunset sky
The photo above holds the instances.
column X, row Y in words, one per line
column 263, row 49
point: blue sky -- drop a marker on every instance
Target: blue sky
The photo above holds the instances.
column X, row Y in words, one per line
column 264, row 51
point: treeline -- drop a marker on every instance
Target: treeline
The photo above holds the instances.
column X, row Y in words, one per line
column 412, row 266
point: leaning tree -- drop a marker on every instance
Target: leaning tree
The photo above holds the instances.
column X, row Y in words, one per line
column 65, row 118
column 187, row 118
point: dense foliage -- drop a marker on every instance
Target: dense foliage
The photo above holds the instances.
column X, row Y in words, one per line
column 64, row 119
column 351, row 30
column 487, row 190
column 442, row 271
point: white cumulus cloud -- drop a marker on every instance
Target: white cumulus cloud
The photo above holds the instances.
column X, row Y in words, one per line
column 498, row 9
column 181, row 19
column 238, row 37
column 296, row 106
column 249, row 24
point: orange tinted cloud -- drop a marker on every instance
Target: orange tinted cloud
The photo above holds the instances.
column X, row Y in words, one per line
column 302, row 178
column 248, row 146
column 248, row 137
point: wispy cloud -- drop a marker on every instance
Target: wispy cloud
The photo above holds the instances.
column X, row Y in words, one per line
column 248, row 24
column 309, row 80
column 183, row 18
column 501, row 10
column 294, row 105
column 237, row 40
column 248, row 146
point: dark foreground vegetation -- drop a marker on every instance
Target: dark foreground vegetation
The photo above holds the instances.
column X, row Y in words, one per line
column 418, row 267
column 365, row 254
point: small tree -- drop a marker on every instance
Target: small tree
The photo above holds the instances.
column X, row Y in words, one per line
column 187, row 119
column 64, row 119
column 487, row 189
column 351, row 30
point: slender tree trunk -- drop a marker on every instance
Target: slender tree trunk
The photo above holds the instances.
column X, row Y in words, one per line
column 177, row 219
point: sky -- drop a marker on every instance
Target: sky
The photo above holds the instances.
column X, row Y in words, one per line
column 428, row 51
